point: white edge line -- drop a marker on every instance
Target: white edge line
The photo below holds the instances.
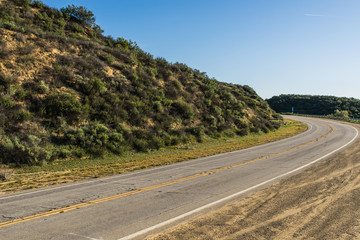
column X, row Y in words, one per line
column 131, row 173
column 233, row 195
column 78, row 235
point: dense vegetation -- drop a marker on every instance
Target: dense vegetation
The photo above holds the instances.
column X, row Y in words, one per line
column 318, row 105
column 66, row 90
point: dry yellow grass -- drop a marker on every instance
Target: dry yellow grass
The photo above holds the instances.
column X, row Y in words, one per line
column 71, row 170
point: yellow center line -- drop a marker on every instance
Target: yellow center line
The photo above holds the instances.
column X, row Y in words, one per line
column 101, row 200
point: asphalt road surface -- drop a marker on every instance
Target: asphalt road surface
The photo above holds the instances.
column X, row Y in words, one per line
column 141, row 203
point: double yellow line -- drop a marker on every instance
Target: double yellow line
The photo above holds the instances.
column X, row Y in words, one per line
column 101, row 200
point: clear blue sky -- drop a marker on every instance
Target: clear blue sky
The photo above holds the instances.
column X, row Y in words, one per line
column 277, row 46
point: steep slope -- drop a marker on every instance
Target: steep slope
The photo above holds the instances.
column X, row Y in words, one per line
column 66, row 90
column 319, row 105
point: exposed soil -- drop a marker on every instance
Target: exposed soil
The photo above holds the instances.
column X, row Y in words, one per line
column 322, row 202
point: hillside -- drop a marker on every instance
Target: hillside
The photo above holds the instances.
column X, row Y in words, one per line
column 318, row 105
column 68, row 91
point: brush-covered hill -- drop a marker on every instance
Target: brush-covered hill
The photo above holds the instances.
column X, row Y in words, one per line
column 68, row 91
column 318, row 105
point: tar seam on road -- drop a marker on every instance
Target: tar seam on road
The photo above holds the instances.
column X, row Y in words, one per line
column 101, row 200
column 146, row 230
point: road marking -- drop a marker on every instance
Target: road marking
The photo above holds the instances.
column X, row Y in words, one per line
column 101, row 200
column 78, row 235
column 102, row 180
column 146, row 230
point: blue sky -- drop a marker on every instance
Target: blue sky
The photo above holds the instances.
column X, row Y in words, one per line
column 274, row 46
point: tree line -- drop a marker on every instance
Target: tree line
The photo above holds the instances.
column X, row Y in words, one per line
column 316, row 104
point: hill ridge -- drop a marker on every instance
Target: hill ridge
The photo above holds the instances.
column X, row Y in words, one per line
column 66, row 90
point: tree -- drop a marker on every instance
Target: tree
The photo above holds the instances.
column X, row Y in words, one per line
column 81, row 13
column 342, row 113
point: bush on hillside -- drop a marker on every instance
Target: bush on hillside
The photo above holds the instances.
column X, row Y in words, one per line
column 95, row 139
column 81, row 13
column 182, row 109
column 62, row 105
column 24, row 151
column 62, row 79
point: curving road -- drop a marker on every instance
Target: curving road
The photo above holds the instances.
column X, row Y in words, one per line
column 137, row 204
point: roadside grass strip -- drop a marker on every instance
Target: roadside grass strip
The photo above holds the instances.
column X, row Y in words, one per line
column 101, row 200
column 75, row 170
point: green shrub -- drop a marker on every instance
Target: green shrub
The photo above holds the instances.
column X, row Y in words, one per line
column 62, row 105
column 48, row 25
column 156, row 142
column 97, row 86
column 240, row 123
column 95, row 139
column 108, row 58
column 43, row 88
column 182, row 109
column 12, row 26
column 7, row 101
column 254, row 129
column 60, row 22
column 229, row 133
column 37, row 4
column 23, row 115
column 80, row 13
column 64, row 152
column 242, row 132
column 27, row 151
column 116, row 143
column 158, row 107
column 76, row 28
column 140, row 145
column 276, row 124
column 126, row 44
column 59, row 32
column 198, row 132
column 42, row 16
column 6, row 80
column 23, row 3
column 343, row 113
column 211, row 120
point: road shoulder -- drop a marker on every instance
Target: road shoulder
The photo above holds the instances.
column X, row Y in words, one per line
column 319, row 203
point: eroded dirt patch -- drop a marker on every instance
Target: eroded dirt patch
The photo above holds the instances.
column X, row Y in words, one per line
column 322, row 202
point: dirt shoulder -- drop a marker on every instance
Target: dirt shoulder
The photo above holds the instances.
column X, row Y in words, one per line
column 320, row 203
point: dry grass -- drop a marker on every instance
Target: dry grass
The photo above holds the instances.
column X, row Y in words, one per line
column 5, row 173
column 72, row 170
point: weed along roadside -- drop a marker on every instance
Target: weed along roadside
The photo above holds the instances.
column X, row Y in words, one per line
column 72, row 170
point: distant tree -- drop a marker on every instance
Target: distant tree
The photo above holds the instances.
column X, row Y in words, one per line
column 318, row 105
column 342, row 113
column 81, row 13
column 126, row 44
column 22, row 2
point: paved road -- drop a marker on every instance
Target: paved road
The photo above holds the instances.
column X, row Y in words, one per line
column 119, row 206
